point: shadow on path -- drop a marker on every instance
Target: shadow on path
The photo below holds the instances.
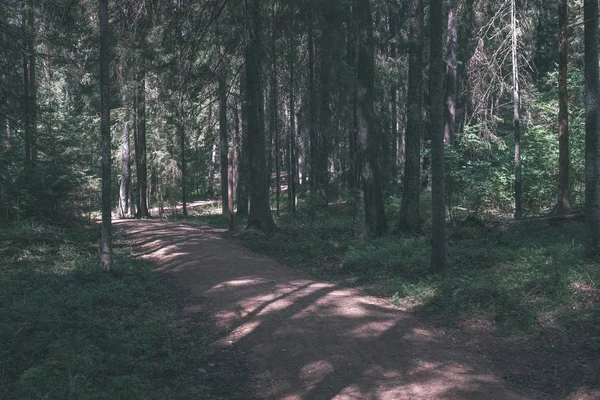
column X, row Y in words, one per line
column 307, row 339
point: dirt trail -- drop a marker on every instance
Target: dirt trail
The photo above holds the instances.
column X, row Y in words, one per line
column 306, row 339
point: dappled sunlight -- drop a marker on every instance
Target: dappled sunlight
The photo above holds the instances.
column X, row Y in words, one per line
column 307, row 339
column 373, row 329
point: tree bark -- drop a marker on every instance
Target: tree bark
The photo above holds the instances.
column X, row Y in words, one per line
column 292, row 150
column 30, row 81
column 260, row 214
column 410, row 214
column 140, row 147
column 123, row 209
column 564, row 203
column 223, row 141
column 451, row 74
column 244, row 170
column 394, row 97
column 375, row 221
column 105, row 133
column 312, row 115
column 436, row 92
column 516, row 113
column 592, row 128
column 181, row 128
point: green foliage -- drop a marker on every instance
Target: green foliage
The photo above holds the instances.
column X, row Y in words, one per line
column 521, row 276
column 69, row 329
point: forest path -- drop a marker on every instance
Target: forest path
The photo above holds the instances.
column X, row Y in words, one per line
column 306, row 339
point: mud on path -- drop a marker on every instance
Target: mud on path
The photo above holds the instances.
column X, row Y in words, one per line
column 306, row 339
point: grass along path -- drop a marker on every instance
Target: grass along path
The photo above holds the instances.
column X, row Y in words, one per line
column 70, row 330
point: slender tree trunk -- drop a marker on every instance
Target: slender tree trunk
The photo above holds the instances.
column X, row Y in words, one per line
column 375, row 221
column 273, row 112
column 30, row 82
column 354, row 167
column 123, row 209
column 410, row 212
column 394, row 98
column 140, row 147
column 244, row 171
column 292, row 151
column 322, row 135
column 105, row 133
column 224, row 143
column 230, row 215
column 184, row 189
column 516, row 113
column 260, row 213
column 236, row 141
column 451, row 74
column 312, row 117
column 592, row 128
column 436, row 89
column 564, row 204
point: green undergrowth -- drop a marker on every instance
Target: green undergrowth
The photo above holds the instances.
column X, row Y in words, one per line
column 71, row 330
column 520, row 275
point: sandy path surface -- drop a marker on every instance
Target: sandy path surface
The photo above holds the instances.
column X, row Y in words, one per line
column 306, row 339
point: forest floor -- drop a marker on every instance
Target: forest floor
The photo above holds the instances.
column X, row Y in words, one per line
column 307, row 338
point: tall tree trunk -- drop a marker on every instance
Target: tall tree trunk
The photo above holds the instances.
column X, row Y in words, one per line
column 312, row 115
column 322, row 134
column 394, row 97
column 236, row 142
column 564, row 203
column 292, row 137
column 410, row 212
column 451, row 75
column 243, row 191
column 30, row 81
column 123, row 209
column 105, row 133
column 436, row 93
column 351, row 41
column 516, row 113
column 592, row 128
column 260, row 213
column 374, row 212
column 181, row 128
column 273, row 112
column 223, row 141
column 140, row 147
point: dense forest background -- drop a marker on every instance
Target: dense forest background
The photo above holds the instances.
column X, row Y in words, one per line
column 443, row 154
column 177, row 86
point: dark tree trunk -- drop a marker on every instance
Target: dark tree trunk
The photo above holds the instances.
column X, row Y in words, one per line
column 244, row 170
column 181, row 128
column 394, row 97
column 260, row 214
column 105, row 133
column 273, row 112
column 140, row 147
column 223, row 142
column 322, row 135
column 30, row 81
column 292, row 138
column 236, row 142
column 451, row 77
column 124, row 188
column 312, row 115
column 436, row 93
column 374, row 212
column 353, row 170
column 410, row 214
column 564, row 203
column 592, row 128
column 516, row 115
